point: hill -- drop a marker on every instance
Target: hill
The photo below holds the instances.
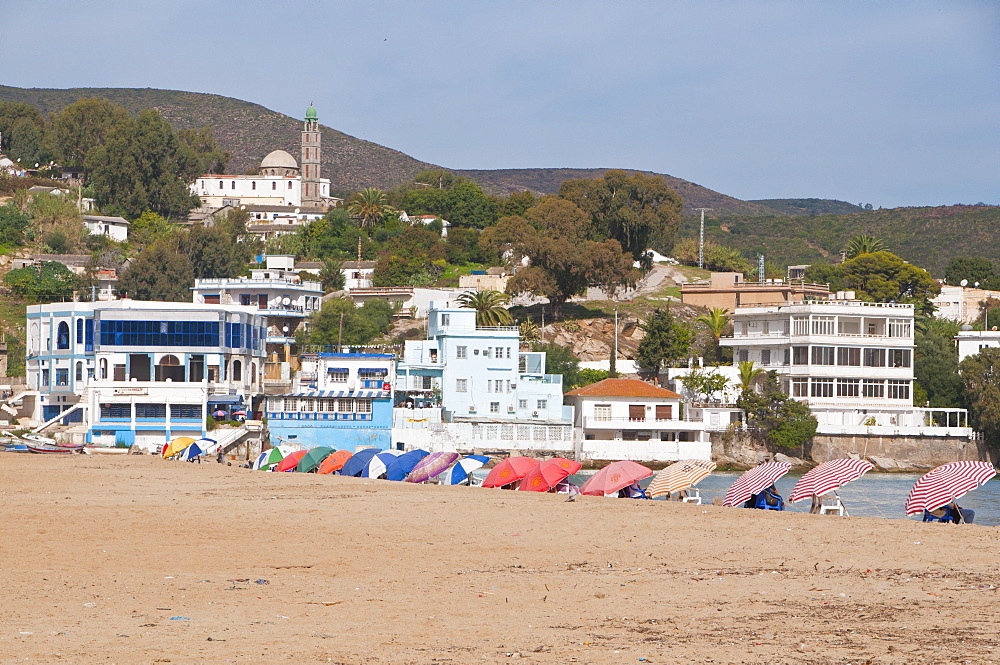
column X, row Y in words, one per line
column 927, row 237
column 808, row 206
column 249, row 131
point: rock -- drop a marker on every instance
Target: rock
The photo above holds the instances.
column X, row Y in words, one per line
column 884, row 463
column 794, row 461
column 854, row 456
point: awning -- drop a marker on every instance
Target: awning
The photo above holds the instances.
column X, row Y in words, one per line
column 225, row 399
column 376, row 371
column 337, row 370
column 326, row 394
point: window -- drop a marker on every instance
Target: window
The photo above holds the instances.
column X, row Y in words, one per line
column 494, row 407
column 274, row 186
column 849, row 388
column 345, row 405
column 664, row 411
column 522, row 404
column 237, row 370
column 636, row 412
column 602, row 412
column 800, row 325
column 185, row 411
column 765, row 357
column 253, row 184
column 233, row 185
column 461, row 385
column 899, row 389
column 116, row 410
column 668, row 436
column 79, row 331
column 426, row 382
column 159, row 333
column 822, row 387
column 446, row 319
column 88, row 329
column 338, row 374
column 364, row 406
column 291, row 404
column 62, row 377
column 543, row 404
column 800, row 355
column 289, row 184
column 151, row 411
column 786, row 356
column 800, row 387
column 220, row 184
column 822, row 355
column 823, row 325
column 62, row 336
column 306, row 404
column 45, row 377
column 462, row 352
column 873, row 388
column 508, row 353
column 743, row 355
column 498, row 385
column 899, row 328
column 79, row 371
column 899, row 357
column 848, row 357
column 874, row 357
column 765, row 327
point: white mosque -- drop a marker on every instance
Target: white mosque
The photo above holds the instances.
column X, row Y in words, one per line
column 279, row 183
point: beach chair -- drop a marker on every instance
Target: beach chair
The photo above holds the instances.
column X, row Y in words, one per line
column 949, row 516
column 693, row 496
column 768, row 500
column 831, row 505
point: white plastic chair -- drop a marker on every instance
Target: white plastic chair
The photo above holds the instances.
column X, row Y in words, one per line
column 693, row 496
column 832, row 506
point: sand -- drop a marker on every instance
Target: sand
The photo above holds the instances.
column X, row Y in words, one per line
column 131, row 559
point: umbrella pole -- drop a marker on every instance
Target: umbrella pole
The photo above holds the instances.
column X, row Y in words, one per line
column 846, row 512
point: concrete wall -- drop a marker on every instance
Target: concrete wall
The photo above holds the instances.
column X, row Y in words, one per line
column 923, row 451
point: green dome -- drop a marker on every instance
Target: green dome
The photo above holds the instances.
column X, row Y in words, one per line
column 311, row 113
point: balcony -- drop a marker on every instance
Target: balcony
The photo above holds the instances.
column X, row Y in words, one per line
column 591, row 422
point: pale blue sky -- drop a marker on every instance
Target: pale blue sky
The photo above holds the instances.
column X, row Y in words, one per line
column 893, row 103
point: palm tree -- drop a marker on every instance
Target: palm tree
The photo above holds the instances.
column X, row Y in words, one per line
column 749, row 374
column 489, row 306
column 715, row 322
column 862, row 244
column 369, row 206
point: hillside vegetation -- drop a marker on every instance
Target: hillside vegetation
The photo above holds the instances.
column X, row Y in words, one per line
column 927, row 237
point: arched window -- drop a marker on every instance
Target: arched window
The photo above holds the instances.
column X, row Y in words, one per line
column 253, row 372
column 104, row 368
column 253, row 184
column 274, row 185
column 237, row 370
column 289, row 184
column 79, row 371
column 234, row 185
column 62, row 336
column 169, row 367
column 220, row 184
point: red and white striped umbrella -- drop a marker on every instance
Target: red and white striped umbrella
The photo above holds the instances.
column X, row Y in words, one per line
column 946, row 483
column 754, row 480
column 829, row 476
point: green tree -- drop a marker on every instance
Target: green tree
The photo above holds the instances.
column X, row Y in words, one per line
column 884, row 277
column 864, row 244
column 489, row 306
column 467, row 205
column 973, row 270
column 528, row 331
column 826, row 273
column 715, row 322
column 339, row 319
column 13, row 225
column 158, row 272
column 666, row 341
column 214, row 253
column 774, row 418
column 369, row 207
column 27, row 142
column 981, row 393
column 561, row 360
column 585, row 377
column 749, row 375
column 50, row 281
column 935, row 364
column 704, row 384
column 200, row 154
column 637, row 210
column 10, row 114
column 331, row 275
column 84, row 125
column 150, row 227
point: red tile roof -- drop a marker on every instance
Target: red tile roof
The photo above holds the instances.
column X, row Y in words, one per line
column 623, row 388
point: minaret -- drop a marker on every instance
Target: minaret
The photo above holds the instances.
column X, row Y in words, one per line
column 310, row 160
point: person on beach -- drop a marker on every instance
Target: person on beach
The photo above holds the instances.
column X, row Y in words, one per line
column 767, row 499
column 633, row 491
column 951, row 512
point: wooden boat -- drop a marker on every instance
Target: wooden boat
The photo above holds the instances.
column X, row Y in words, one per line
column 54, row 449
column 105, row 450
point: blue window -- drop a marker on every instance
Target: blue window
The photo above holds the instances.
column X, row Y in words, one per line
column 62, row 376
column 154, row 411
column 159, row 333
column 62, row 336
column 88, row 326
column 189, row 411
column 116, row 411
column 79, row 331
column 234, row 335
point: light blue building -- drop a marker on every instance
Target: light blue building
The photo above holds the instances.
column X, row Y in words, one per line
column 341, row 400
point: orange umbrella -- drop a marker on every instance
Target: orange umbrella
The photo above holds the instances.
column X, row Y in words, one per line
column 334, row 461
column 290, row 461
column 510, row 470
column 615, row 476
column 548, row 474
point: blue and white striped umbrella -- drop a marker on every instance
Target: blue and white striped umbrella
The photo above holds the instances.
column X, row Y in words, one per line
column 191, row 452
column 377, row 466
column 463, row 468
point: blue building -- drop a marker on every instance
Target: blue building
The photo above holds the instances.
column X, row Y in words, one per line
column 341, row 400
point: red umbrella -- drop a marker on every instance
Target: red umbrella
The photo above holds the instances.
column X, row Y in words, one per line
column 946, row 483
column 290, row 461
column 755, row 480
column 548, row 474
column 829, row 476
column 334, row 461
column 615, row 476
column 509, row 470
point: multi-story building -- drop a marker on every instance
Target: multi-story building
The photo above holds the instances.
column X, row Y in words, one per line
column 970, row 342
column 728, row 290
column 850, row 361
column 341, row 400
column 142, row 372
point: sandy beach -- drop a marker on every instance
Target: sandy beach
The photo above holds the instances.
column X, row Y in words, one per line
column 132, row 559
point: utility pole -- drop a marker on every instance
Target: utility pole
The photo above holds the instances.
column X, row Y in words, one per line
column 701, row 239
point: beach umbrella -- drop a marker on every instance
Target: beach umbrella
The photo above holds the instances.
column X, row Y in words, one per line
column 334, row 461
column 177, row 445
column 510, row 470
column 548, row 474
column 358, row 462
column 400, row 467
column 378, row 464
column 829, row 476
column 191, row 452
column 948, row 482
column 312, row 458
column 614, row 477
column 239, row 413
column 267, row 459
column 755, row 480
column 431, row 466
column 679, row 476
column 290, row 461
column 219, row 414
column 463, row 468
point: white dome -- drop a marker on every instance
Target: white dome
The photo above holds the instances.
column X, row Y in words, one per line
column 279, row 159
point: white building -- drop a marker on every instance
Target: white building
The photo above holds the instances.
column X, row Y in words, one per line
column 971, row 342
column 141, row 372
column 115, row 228
column 850, row 361
column 632, row 419
column 358, row 274
column 961, row 303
